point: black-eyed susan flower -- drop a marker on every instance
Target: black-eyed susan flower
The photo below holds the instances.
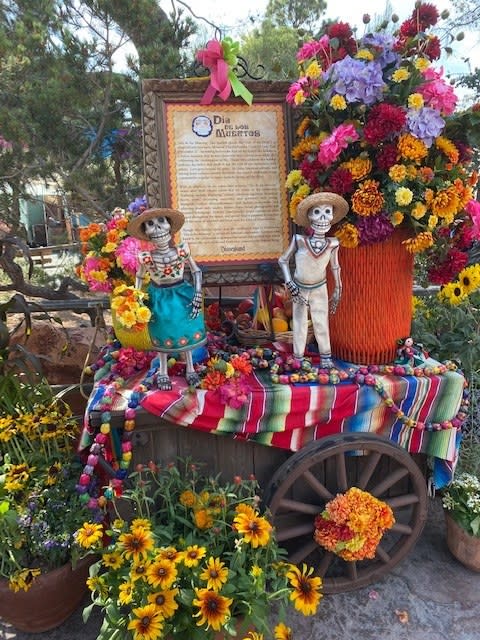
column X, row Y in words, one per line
column 89, row 535
column 165, row 602
column 161, row 574
column 23, row 579
column 169, row 553
column 193, row 554
column 136, row 543
column 282, row 632
column 306, row 590
column 125, row 593
column 112, row 560
column 138, row 571
column 214, row 609
column 215, row 574
column 147, row 623
column 254, row 529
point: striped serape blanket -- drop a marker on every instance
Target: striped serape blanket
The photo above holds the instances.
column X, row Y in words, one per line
column 290, row 416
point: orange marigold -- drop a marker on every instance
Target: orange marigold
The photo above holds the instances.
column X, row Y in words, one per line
column 445, row 203
column 447, row 147
column 307, row 145
column 411, row 148
column 419, row 243
column 367, row 199
column 348, row 236
column 213, row 380
column 359, row 167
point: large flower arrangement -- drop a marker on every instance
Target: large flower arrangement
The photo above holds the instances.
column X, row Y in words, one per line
column 379, row 129
column 352, row 524
column 197, row 557
column 110, row 255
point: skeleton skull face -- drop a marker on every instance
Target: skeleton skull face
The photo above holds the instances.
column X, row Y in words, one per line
column 321, row 218
column 158, row 229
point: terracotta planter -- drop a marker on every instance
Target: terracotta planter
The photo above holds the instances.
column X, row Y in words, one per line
column 464, row 547
column 52, row 598
column 376, row 306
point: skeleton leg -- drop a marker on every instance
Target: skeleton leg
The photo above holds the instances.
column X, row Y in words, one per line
column 163, row 381
column 191, row 375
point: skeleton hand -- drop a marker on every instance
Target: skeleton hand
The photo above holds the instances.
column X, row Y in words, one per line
column 196, row 304
column 335, row 299
column 295, row 292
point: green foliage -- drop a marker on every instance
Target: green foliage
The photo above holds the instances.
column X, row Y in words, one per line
column 462, row 501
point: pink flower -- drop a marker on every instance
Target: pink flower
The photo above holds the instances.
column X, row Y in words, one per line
column 473, row 210
column 339, row 140
column 310, row 49
column 296, row 87
column 437, row 93
column 127, row 254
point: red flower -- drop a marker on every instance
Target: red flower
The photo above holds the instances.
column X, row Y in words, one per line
column 433, row 49
column 340, row 30
column 341, row 181
column 387, row 157
column 447, row 270
column 383, row 121
column 426, row 15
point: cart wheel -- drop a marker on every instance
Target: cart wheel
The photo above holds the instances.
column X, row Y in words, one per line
column 302, row 486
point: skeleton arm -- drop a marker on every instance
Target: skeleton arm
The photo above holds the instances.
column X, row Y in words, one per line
column 335, row 266
column 284, row 262
column 139, row 276
column 197, row 283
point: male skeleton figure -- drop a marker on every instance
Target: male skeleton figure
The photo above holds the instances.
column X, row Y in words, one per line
column 177, row 323
column 313, row 255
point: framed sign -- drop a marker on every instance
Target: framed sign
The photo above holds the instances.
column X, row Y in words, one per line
column 223, row 165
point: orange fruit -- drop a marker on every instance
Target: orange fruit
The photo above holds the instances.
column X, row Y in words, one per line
column 279, row 325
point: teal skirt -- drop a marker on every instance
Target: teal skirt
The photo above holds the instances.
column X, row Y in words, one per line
column 171, row 328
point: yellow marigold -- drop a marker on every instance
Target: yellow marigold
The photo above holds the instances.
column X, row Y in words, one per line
column 415, row 101
column 188, row 498
column 338, row 102
column 453, row 292
column 411, row 148
column 303, row 126
column 465, row 192
column 445, row 203
column 398, row 172
column 203, row 519
column 432, row 222
column 364, row 54
column 412, row 171
column 400, row 75
column 397, row 218
column 294, row 178
column 428, row 196
column 368, row 200
column 299, row 98
column 419, row 243
column 313, row 70
column 447, row 147
column 421, row 64
column 418, row 210
column 348, row 236
column 301, row 193
column 403, row 196
column 359, row 167
column 310, row 144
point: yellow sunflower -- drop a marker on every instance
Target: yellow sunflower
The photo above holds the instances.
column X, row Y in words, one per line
column 469, row 278
column 147, row 624
column 137, row 543
column 215, row 574
column 165, row 602
column 161, row 574
column 254, row 529
column 89, row 534
column 214, row 609
column 112, row 560
column 452, row 292
column 306, row 590
column 125, row 593
column 23, row 579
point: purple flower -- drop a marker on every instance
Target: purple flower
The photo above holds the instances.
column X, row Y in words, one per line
column 138, row 205
column 384, row 43
column 374, row 229
column 425, row 123
column 357, row 80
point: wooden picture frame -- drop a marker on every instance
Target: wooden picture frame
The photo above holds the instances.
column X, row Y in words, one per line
column 224, row 166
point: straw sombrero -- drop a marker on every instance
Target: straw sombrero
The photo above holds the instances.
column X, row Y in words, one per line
column 135, row 229
column 340, row 207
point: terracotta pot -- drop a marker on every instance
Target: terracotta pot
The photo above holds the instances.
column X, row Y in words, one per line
column 51, row 599
column 376, row 305
column 464, row 547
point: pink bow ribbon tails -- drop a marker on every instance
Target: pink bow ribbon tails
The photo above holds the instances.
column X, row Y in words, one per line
column 220, row 58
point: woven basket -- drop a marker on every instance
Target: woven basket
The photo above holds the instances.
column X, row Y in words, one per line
column 258, row 337
column 376, row 305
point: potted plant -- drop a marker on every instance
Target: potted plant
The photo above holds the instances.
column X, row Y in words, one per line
column 461, row 503
column 194, row 560
column 40, row 510
column 378, row 125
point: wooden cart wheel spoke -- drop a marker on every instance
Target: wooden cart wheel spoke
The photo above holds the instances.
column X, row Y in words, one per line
column 302, row 486
column 296, row 505
column 302, row 553
column 320, row 488
column 294, row 531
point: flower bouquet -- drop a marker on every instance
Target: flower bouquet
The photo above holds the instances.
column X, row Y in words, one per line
column 352, row 524
column 462, row 501
column 378, row 126
column 195, row 557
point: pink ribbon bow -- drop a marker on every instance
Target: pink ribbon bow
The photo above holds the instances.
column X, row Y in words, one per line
column 212, row 58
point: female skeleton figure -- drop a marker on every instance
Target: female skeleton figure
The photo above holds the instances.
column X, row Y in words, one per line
column 313, row 255
column 177, row 323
